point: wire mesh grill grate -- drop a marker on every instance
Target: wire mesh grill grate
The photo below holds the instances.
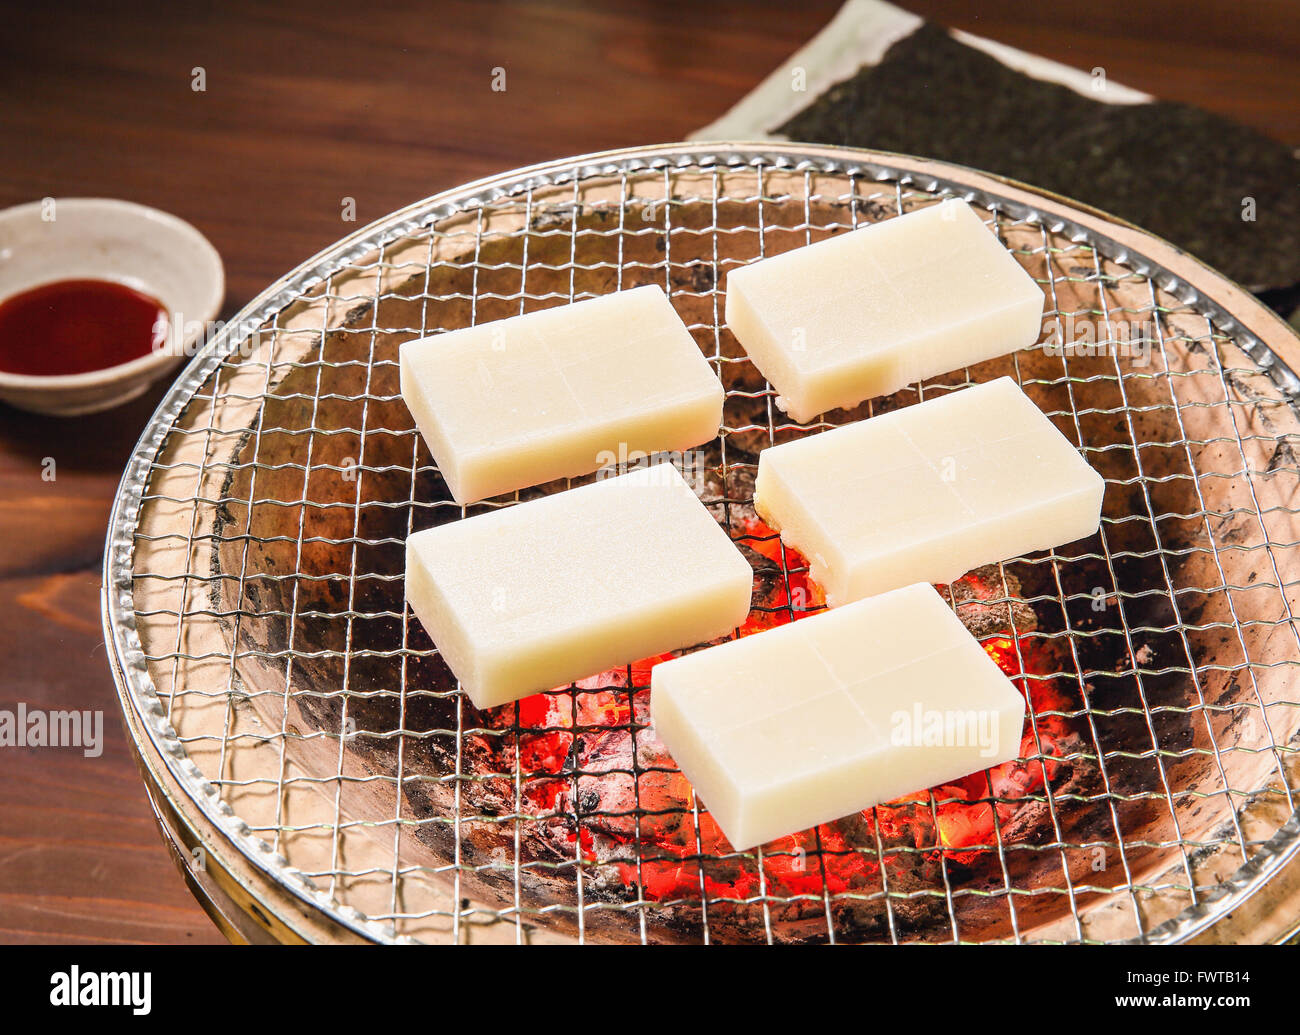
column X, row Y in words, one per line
column 307, row 708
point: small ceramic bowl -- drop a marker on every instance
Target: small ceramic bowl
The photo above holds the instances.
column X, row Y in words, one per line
column 104, row 239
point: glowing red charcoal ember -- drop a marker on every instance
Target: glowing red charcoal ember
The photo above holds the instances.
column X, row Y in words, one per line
column 599, row 783
column 763, row 539
column 786, row 591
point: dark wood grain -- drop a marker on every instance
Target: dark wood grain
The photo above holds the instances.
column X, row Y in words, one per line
column 307, row 105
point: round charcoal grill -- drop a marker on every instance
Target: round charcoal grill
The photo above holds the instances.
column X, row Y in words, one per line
column 321, row 777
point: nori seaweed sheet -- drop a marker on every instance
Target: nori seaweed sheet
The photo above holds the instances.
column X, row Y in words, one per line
column 1173, row 169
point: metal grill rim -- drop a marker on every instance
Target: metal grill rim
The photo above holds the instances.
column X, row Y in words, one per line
column 1268, row 855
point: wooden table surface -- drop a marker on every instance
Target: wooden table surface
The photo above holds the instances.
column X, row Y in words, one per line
column 304, row 107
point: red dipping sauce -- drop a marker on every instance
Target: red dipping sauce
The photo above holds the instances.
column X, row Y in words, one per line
column 75, row 326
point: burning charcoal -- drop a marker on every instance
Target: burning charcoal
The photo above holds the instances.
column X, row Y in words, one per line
column 988, row 601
